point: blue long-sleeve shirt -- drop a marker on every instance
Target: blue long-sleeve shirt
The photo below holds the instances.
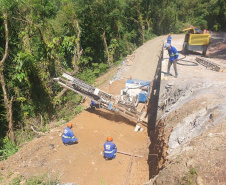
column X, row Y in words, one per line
column 110, row 149
column 68, row 136
column 169, row 38
column 173, row 54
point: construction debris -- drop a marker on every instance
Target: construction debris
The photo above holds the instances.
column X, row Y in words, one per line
column 208, row 64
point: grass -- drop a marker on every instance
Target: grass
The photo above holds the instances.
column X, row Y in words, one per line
column 8, row 148
column 190, row 178
column 1, row 178
column 193, row 171
column 17, row 180
column 35, row 180
column 102, row 181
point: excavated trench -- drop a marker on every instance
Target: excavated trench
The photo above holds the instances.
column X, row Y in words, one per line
column 192, row 98
column 158, row 146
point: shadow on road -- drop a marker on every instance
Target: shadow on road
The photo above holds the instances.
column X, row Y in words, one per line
column 187, row 63
column 111, row 116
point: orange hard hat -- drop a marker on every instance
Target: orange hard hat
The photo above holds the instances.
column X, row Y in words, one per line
column 109, row 138
column 70, row 124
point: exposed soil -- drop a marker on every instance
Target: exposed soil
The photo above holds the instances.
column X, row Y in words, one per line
column 191, row 125
column 187, row 145
column 83, row 163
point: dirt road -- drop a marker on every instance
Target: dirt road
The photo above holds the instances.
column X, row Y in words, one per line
column 191, row 130
column 83, row 163
column 192, row 121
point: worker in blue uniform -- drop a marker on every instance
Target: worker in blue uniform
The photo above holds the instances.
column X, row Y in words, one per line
column 68, row 137
column 169, row 38
column 93, row 105
column 110, row 149
column 173, row 58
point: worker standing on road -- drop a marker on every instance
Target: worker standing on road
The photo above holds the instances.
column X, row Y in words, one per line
column 110, row 149
column 173, row 58
column 68, row 137
column 169, row 38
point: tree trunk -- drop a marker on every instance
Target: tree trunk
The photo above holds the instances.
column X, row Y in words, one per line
column 7, row 103
column 141, row 24
column 106, row 48
column 77, row 51
column 142, row 34
column 11, row 133
column 77, row 55
column 148, row 24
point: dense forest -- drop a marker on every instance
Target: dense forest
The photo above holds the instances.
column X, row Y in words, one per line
column 40, row 39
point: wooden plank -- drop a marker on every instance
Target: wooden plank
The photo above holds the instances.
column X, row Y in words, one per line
column 129, row 154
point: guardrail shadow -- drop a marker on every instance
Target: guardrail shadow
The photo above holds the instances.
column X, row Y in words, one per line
column 154, row 97
column 156, row 147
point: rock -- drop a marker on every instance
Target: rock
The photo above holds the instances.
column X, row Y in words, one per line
column 51, row 146
column 23, row 182
column 170, row 84
column 190, row 163
column 187, row 149
column 199, row 180
column 211, row 116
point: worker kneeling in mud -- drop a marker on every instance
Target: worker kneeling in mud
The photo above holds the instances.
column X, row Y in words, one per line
column 68, row 137
column 110, row 149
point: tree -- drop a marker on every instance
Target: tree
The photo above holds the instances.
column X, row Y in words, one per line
column 7, row 102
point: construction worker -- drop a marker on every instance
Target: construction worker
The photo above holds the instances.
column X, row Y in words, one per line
column 169, row 38
column 93, row 105
column 173, row 58
column 68, row 137
column 110, row 149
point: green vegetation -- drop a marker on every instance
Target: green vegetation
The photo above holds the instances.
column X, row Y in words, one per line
column 35, row 180
column 39, row 40
column 8, row 149
column 42, row 180
column 17, row 180
column 102, row 182
column 193, row 171
column 190, row 178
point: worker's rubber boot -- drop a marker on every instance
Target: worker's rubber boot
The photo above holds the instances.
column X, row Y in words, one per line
column 108, row 159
